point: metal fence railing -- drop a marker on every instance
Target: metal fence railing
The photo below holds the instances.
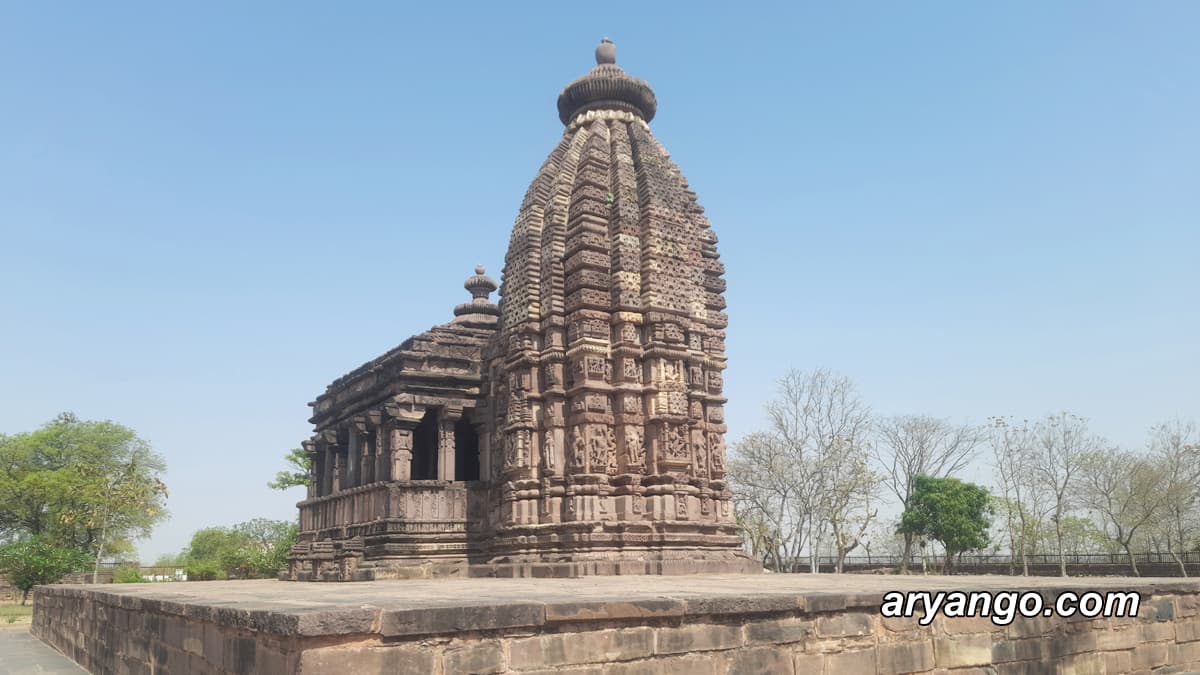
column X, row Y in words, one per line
column 1155, row 557
column 1156, row 563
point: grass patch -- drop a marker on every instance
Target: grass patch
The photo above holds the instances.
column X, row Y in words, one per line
column 15, row 613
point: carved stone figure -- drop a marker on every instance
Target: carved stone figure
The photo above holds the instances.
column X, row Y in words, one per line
column 578, row 449
column 548, row 448
column 716, row 450
column 514, row 449
column 634, row 445
column 675, row 440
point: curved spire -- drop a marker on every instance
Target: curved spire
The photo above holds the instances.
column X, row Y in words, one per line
column 607, row 87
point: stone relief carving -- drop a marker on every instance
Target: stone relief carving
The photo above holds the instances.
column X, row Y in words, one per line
column 631, row 404
column 632, row 371
column 515, row 448
column 629, row 333
column 578, row 449
column 548, row 448
column 635, row 448
column 677, row 403
column 716, row 449
column 675, row 441
column 597, row 402
column 671, row 372
column 601, row 449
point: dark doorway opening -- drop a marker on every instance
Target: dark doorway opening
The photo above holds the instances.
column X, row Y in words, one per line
column 425, row 447
column 466, row 451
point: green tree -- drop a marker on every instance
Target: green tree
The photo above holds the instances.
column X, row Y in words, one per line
column 947, row 510
column 298, row 472
column 36, row 561
column 85, row 485
column 266, row 543
column 255, row 549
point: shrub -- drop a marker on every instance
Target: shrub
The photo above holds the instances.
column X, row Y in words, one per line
column 127, row 575
column 204, row 570
column 33, row 562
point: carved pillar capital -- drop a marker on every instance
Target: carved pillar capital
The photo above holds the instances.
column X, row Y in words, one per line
column 403, row 416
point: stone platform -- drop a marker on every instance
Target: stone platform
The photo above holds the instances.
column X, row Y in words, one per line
column 790, row 624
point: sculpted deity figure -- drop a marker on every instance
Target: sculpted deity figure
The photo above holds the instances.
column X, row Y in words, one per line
column 675, row 441
column 513, row 452
column 716, row 449
column 635, row 449
column 601, row 449
column 548, row 448
column 578, row 448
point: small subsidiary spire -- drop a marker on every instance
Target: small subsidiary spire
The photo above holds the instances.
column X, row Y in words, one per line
column 481, row 286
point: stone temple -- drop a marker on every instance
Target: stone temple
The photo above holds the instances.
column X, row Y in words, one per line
column 575, row 427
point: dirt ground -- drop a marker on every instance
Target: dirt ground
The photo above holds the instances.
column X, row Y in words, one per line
column 13, row 614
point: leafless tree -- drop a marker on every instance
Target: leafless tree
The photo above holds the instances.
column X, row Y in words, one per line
column 1023, row 506
column 773, row 491
column 825, row 429
column 1061, row 443
column 881, row 540
column 1175, row 446
column 1124, row 491
column 852, row 489
column 918, row 445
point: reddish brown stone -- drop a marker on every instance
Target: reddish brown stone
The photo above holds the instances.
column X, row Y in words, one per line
column 583, row 413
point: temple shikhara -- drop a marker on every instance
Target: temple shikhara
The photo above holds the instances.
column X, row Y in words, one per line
column 574, row 427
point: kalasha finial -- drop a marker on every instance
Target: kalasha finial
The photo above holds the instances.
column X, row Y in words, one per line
column 606, row 87
column 606, row 52
column 480, row 286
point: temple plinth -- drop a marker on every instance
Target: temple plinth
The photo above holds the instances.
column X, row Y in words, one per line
column 575, row 428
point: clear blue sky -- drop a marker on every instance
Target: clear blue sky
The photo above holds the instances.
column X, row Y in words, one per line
column 210, row 212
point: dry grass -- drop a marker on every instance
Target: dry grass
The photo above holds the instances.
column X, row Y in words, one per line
column 14, row 614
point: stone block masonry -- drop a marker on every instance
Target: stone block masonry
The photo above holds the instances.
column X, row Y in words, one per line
column 792, row 624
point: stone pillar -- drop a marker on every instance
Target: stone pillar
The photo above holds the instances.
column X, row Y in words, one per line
column 361, row 460
column 383, row 463
column 446, row 450
column 310, row 451
column 378, row 468
column 338, row 468
column 329, row 448
column 350, row 472
column 400, row 446
column 318, row 474
column 485, row 445
column 400, row 423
